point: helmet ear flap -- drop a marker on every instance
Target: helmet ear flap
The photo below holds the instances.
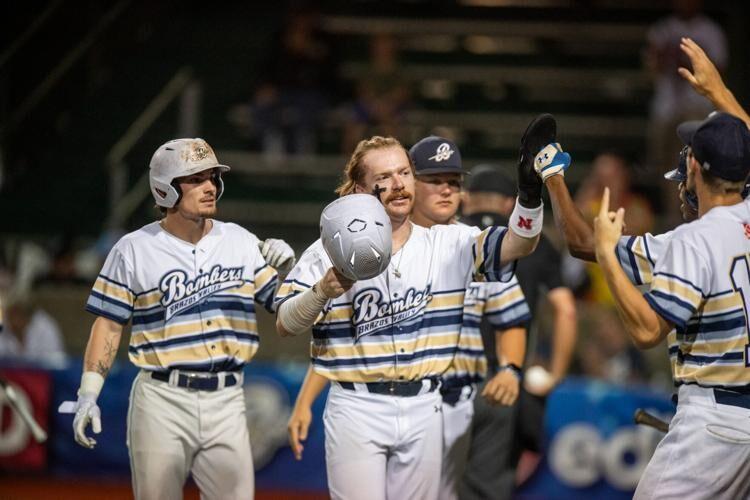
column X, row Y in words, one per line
column 218, row 182
column 166, row 195
column 176, row 186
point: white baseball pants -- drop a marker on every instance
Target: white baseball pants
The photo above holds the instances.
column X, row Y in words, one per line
column 174, row 431
column 382, row 447
column 705, row 454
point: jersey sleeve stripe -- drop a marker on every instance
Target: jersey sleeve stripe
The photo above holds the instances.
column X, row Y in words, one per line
column 117, row 283
column 681, row 280
column 107, row 313
column 670, row 308
column 633, row 262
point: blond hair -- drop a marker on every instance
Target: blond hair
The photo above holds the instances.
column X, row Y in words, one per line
column 354, row 172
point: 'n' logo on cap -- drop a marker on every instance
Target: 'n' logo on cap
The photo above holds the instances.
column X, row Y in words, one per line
column 443, row 152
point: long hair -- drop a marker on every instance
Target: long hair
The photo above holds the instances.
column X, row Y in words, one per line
column 354, row 172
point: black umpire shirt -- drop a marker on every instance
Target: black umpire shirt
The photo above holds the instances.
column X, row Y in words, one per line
column 538, row 272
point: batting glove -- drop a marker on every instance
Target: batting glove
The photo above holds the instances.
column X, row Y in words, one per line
column 278, row 254
column 551, row 160
column 86, row 411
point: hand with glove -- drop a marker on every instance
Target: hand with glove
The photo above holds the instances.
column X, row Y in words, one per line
column 277, row 254
column 551, row 160
column 86, row 410
column 540, row 132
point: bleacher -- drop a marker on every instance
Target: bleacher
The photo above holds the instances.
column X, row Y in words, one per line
column 481, row 79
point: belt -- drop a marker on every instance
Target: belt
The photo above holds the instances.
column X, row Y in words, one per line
column 196, row 381
column 393, row 388
column 732, row 398
column 452, row 393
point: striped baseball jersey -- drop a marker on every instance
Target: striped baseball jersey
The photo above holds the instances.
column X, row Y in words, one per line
column 701, row 284
column 504, row 306
column 638, row 256
column 192, row 306
column 403, row 324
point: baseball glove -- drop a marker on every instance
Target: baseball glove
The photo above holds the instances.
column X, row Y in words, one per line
column 541, row 131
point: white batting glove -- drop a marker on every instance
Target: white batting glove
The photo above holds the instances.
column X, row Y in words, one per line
column 551, row 161
column 86, row 411
column 278, row 254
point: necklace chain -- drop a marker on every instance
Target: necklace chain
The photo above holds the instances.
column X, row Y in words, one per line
column 396, row 269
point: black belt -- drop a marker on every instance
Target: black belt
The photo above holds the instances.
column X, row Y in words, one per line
column 208, row 382
column 732, row 398
column 393, row 388
column 452, row 394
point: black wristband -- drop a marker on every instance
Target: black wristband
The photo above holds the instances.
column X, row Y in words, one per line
column 513, row 368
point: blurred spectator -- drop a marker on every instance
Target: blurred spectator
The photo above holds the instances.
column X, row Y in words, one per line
column 293, row 94
column 30, row 333
column 611, row 170
column 674, row 101
column 382, row 95
column 63, row 269
column 605, row 352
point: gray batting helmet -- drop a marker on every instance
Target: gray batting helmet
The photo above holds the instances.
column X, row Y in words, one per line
column 180, row 158
column 356, row 234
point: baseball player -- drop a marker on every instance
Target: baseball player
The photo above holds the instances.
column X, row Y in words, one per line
column 383, row 342
column 437, row 196
column 189, row 284
column 698, row 298
column 639, row 253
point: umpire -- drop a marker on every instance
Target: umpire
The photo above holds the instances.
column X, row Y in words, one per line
column 501, row 433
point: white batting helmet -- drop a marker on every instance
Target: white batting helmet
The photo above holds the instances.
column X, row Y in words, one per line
column 356, row 234
column 180, row 158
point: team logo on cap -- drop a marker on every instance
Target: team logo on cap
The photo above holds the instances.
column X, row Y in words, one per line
column 199, row 151
column 443, row 152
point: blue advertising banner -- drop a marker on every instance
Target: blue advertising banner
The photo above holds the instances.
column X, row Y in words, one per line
column 592, row 447
column 270, row 390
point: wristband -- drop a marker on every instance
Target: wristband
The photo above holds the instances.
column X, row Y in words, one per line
column 526, row 222
column 515, row 369
column 91, row 384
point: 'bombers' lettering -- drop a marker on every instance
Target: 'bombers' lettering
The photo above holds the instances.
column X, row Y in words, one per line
column 372, row 313
column 180, row 293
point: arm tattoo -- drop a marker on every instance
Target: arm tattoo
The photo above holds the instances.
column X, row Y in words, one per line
column 102, row 366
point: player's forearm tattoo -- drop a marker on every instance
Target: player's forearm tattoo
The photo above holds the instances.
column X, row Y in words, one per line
column 103, row 365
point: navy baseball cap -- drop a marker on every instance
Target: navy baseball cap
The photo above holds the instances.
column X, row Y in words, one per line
column 486, row 178
column 720, row 143
column 436, row 155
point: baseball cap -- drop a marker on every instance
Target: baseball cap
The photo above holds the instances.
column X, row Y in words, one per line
column 720, row 143
column 487, row 178
column 436, row 155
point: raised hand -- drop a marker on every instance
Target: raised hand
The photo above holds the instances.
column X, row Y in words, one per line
column 607, row 228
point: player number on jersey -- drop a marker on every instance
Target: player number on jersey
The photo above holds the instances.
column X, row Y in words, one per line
column 739, row 273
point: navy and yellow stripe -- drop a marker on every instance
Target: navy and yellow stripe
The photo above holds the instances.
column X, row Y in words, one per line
column 418, row 347
column 710, row 346
column 486, row 252
column 504, row 306
column 111, row 299
column 218, row 333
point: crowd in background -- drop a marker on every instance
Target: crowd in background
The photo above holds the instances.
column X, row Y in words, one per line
column 298, row 91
